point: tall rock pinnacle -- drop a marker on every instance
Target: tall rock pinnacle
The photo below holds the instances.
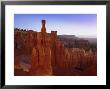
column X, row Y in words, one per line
column 43, row 29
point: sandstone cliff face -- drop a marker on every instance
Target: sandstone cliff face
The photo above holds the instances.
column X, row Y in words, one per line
column 44, row 54
column 38, row 47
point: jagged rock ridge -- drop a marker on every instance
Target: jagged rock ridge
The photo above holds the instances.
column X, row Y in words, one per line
column 42, row 53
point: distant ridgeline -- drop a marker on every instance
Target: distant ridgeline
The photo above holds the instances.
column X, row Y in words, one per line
column 42, row 53
column 71, row 41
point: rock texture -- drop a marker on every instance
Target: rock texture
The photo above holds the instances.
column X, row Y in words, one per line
column 43, row 53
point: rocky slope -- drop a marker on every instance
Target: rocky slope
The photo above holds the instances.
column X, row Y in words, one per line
column 42, row 53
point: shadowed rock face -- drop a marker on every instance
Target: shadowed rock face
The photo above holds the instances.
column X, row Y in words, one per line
column 41, row 53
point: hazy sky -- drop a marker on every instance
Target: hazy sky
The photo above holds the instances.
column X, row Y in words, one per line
column 83, row 25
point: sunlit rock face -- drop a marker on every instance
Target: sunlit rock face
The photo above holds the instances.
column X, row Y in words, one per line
column 42, row 53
